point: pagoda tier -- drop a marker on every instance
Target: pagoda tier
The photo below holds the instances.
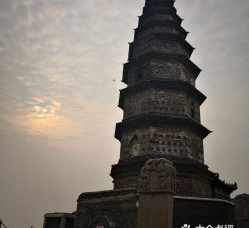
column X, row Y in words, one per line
column 161, row 104
column 192, row 179
column 160, row 66
column 161, row 134
column 164, row 99
column 161, row 44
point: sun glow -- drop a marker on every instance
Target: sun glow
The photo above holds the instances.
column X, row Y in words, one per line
column 46, row 119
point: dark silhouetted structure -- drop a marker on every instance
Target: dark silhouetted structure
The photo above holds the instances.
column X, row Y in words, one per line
column 242, row 210
column 59, row 220
column 161, row 178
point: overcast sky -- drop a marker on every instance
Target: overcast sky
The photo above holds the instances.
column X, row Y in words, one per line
column 60, row 72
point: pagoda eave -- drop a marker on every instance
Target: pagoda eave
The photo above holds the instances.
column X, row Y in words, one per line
column 157, row 120
column 163, row 10
column 164, row 84
column 154, row 23
column 167, row 57
column 174, row 37
column 166, row 37
column 141, row 23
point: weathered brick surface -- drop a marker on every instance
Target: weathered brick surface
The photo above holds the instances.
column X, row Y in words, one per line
column 171, row 70
column 158, row 46
column 156, row 17
column 155, row 68
column 159, row 29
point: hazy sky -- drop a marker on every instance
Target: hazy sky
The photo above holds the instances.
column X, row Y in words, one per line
column 60, row 72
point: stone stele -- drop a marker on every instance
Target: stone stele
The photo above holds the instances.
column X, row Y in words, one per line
column 156, row 188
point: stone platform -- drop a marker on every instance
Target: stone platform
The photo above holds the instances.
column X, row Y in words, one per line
column 118, row 209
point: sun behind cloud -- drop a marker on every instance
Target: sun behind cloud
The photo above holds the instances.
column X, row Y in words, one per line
column 46, row 119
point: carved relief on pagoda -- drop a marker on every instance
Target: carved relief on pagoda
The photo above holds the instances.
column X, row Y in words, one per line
column 146, row 46
column 161, row 101
column 157, row 175
column 163, row 69
column 171, row 70
column 134, row 143
column 166, row 141
column 152, row 100
column 176, row 142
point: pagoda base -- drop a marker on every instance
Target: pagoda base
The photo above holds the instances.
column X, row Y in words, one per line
column 118, row 208
column 199, row 198
column 193, row 179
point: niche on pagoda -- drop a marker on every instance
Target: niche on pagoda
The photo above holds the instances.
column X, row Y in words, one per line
column 172, row 102
column 172, row 141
